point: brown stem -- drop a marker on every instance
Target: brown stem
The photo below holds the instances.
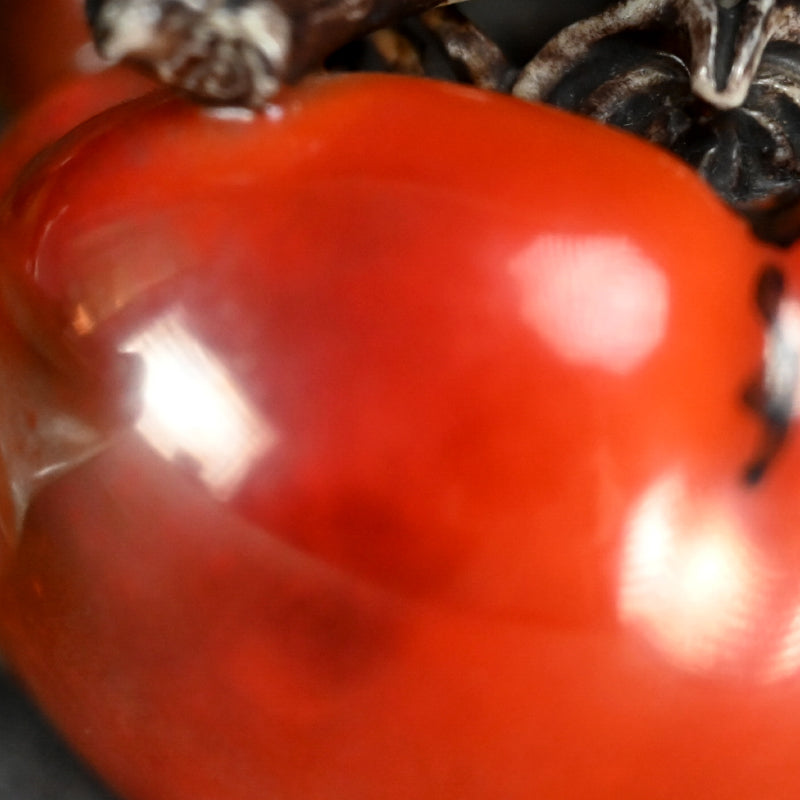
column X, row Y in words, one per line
column 466, row 45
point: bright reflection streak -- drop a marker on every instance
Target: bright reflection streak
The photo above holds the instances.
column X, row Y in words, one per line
column 690, row 581
column 594, row 300
column 786, row 661
column 192, row 408
column 781, row 367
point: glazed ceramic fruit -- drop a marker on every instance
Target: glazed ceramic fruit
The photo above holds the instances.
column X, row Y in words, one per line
column 361, row 458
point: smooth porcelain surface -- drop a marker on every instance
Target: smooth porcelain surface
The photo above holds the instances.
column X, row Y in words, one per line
column 392, row 444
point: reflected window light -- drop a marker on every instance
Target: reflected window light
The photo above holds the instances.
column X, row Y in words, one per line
column 690, row 581
column 594, row 300
column 786, row 661
column 192, row 409
column 782, row 360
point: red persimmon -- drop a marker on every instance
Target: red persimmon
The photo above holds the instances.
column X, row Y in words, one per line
column 390, row 444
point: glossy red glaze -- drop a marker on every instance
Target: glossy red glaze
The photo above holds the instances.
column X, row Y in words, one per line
column 61, row 109
column 425, row 476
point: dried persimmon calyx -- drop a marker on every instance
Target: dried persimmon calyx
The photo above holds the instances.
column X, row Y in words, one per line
column 236, row 51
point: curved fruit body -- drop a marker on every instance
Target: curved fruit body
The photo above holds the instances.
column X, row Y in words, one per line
column 61, row 109
column 421, row 475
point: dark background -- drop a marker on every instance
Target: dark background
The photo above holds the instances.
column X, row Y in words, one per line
column 34, row 763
